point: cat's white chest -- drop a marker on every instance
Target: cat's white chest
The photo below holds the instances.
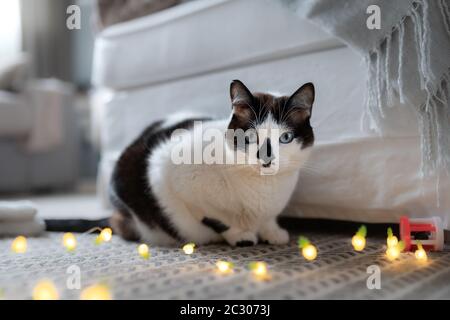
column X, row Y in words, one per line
column 238, row 194
column 227, row 195
column 268, row 195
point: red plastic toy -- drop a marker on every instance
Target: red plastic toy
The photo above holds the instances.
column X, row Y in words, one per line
column 428, row 231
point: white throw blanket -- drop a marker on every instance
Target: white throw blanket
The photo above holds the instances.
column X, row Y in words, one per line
column 19, row 218
column 408, row 61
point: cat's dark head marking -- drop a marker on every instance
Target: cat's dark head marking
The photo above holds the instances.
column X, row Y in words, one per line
column 292, row 112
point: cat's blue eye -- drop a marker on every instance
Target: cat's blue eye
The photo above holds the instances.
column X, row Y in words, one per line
column 286, row 137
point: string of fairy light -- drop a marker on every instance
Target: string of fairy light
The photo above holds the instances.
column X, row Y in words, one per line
column 46, row 289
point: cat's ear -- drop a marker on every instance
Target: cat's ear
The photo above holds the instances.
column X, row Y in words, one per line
column 302, row 99
column 242, row 103
column 240, row 95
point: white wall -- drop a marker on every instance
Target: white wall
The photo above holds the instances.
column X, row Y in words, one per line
column 10, row 29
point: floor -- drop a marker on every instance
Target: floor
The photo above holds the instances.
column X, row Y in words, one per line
column 338, row 272
column 82, row 203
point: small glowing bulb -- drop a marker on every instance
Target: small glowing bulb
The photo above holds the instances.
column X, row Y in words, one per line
column 392, row 241
column 259, row 270
column 69, row 241
column 189, row 248
column 45, row 290
column 392, row 253
column 96, row 292
column 143, row 251
column 420, row 253
column 358, row 242
column 19, row 245
column 309, row 252
column 106, row 234
column 224, row 267
column 359, row 239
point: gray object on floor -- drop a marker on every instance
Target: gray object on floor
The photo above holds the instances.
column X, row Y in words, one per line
column 338, row 273
column 19, row 218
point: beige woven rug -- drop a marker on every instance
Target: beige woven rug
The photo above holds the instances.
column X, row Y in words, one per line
column 337, row 273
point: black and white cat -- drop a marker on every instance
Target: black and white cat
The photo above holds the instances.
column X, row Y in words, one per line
column 164, row 203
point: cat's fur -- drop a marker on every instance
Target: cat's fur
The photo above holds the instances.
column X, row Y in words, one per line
column 163, row 203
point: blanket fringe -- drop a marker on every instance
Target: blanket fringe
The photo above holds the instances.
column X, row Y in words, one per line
column 434, row 113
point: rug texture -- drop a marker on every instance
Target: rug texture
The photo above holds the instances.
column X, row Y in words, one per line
column 337, row 273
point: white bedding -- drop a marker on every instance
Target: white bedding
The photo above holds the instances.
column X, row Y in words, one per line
column 369, row 179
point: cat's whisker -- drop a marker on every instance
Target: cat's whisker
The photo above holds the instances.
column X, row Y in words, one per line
column 285, row 113
column 303, row 167
column 265, row 109
column 261, row 109
column 252, row 109
column 290, row 112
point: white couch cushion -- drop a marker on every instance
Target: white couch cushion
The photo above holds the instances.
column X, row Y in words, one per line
column 200, row 37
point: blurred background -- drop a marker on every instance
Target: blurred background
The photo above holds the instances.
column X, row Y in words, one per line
column 46, row 146
column 49, row 145
column 45, row 72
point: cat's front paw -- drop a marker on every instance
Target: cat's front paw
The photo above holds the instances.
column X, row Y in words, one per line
column 274, row 235
column 240, row 238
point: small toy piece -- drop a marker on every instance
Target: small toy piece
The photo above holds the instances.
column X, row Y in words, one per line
column 429, row 231
column 359, row 239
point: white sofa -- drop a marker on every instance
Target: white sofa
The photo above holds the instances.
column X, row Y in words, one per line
column 186, row 56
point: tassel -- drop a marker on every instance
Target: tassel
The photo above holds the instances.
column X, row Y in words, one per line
column 445, row 11
column 387, row 71
column 401, row 37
